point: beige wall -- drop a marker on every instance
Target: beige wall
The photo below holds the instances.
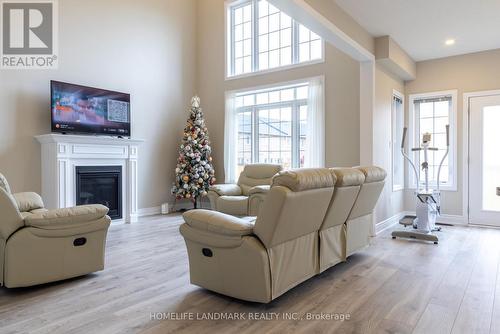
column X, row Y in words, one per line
column 390, row 203
column 394, row 58
column 146, row 48
column 467, row 73
column 331, row 11
column 341, row 86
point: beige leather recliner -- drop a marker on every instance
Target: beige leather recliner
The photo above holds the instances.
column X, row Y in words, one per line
column 332, row 233
column 39, row 246
column 245, row 197
column 258, row 263
column 304, row 218
column 360, row 221
column 348, row 222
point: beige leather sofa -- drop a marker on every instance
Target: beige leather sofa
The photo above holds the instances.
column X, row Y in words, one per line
column 245, row 197
column 39, row 246
column 307, row 214
column 348, row 221
column 332, row 233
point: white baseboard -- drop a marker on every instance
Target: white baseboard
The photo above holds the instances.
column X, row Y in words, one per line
column 389, row 222
column 452, row 219
column 149, row 211
column 173, row 207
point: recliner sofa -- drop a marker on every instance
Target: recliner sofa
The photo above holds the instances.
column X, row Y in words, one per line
column 306, row 215
column 245, row 197
column 39, row 246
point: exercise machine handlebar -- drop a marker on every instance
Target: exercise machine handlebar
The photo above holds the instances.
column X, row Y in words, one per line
column 404, row 138
column 445, row 155
column 405, row 130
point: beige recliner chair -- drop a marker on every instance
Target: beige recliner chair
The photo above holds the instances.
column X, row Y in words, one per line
column 260, row 262
column 360, row 221
column 39, row 246
column 332, row 234
column 245, row 197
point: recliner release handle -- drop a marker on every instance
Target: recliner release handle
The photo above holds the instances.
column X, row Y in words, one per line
column 207, row 252
column 79, row 242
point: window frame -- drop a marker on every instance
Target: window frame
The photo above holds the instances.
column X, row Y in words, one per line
column 229, row 45
column 413, row 141
column 295, row 109
column 395, row 142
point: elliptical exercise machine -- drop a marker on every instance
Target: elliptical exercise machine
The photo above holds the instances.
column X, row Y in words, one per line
column 428, row 201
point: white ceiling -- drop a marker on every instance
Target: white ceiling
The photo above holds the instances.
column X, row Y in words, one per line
column 421, row 27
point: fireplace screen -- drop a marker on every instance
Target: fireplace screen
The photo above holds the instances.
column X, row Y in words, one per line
column 100, row 185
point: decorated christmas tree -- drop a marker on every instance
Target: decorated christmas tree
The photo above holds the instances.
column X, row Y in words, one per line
column 194, row 173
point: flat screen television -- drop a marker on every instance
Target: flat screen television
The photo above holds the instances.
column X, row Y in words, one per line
column 87, row 110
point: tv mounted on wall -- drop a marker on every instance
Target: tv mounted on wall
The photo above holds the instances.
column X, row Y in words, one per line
column 87, row 110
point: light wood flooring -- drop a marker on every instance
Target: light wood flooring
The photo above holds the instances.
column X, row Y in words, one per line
column 394, row 286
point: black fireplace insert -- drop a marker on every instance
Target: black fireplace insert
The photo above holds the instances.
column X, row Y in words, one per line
column 100, row 185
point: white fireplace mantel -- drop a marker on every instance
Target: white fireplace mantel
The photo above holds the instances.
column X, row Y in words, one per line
column 61, row 154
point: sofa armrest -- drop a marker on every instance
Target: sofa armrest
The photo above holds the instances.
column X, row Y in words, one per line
column 67, row 217
column 28, row 201
column 218, row 223
column 259, row 190
column 226, row 189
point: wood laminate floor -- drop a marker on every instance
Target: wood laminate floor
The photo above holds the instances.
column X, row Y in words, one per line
column 394, row 286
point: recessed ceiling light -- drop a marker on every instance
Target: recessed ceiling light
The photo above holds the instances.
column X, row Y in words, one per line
column 449, row 41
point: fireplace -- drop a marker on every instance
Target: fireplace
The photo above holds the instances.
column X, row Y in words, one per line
column 100, row 185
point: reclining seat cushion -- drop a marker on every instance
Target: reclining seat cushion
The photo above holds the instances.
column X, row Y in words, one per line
column 66, row 218
column 226, row 189
column 233, row 205
column 4, row 184
column 28, row 201
column 264, row 189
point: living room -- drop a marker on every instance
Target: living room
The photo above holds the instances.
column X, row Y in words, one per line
column 249, row 166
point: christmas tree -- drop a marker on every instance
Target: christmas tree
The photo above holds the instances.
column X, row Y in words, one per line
column 194, row 173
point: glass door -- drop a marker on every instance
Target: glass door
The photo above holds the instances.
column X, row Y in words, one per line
column 484, row 160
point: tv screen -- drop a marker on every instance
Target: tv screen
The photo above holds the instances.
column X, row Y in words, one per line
column 80, row 109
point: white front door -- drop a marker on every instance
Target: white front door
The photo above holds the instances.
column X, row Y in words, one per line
column 484, row 160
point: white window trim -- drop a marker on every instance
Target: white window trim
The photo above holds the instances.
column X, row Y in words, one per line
column 227, row 54
column 256, row 89
column 453, row 136
column 396, row 141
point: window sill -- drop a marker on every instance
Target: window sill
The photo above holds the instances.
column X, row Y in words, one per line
column 397, row 188
column 276, row 69
column 452, row 188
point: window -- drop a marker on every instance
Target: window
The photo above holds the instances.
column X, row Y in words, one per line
column 271, row 126
column 430, row 113
column 260, row 37
column 397, row 135
column 278, row 125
